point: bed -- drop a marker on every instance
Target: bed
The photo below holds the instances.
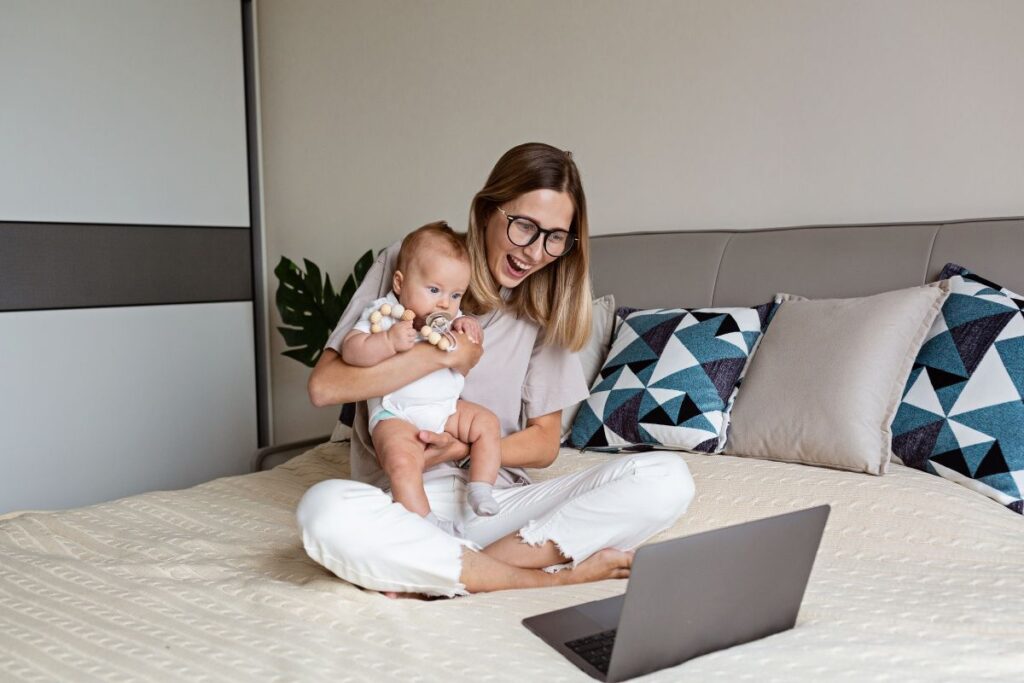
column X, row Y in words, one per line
column 917, row 578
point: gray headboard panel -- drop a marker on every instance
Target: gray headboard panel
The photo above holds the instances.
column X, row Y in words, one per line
column 747, row 267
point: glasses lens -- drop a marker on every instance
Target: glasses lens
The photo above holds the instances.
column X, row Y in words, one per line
column 557, row 242
column 522, row 232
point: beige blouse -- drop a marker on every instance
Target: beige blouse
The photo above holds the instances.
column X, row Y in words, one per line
column 517, row 378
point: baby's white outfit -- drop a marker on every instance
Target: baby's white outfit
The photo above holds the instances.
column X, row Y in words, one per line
column 429, row 401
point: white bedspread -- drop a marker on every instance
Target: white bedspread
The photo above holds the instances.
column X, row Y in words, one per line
column 916, row 579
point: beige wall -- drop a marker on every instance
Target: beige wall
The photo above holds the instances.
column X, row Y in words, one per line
column 378, row 116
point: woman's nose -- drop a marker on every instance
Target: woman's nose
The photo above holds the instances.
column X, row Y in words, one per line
column 536, row 250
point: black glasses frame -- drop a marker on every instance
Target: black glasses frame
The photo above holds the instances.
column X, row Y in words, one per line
column 570, row 237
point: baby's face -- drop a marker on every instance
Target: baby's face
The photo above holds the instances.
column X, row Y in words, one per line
column 434, row 282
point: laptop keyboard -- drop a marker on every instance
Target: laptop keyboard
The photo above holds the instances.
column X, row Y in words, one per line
column 596, row 649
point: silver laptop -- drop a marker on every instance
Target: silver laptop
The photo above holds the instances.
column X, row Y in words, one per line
column 691, row 596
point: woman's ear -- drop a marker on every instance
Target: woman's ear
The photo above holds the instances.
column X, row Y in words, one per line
column 396, row 282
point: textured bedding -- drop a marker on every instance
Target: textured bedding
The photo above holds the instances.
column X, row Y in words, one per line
column 916, row 579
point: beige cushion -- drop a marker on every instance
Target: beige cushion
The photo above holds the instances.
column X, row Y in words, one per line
column 592, row 355
column 827, row 378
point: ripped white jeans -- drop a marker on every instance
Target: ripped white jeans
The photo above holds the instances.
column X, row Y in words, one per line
column 357, row 532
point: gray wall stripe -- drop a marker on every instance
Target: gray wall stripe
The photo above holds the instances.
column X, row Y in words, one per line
column 60, row 265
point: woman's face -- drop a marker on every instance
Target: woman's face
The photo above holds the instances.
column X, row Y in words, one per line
column 511, row 265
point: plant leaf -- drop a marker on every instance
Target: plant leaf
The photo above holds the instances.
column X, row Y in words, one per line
column 363, row 266
column 310, row 307
column 313, row 280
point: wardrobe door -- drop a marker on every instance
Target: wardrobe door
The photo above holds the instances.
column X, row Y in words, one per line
column 127, row 359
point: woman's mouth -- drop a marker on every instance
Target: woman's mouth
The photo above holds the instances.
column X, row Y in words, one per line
column 516, row 268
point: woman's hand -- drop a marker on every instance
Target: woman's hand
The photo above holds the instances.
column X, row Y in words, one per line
column 442, row 448
column 465, row 356
column 469, row 326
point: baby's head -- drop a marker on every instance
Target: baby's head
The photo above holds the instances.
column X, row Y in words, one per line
column 433, row 271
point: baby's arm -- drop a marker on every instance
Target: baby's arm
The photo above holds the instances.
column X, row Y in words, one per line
column 365, row 349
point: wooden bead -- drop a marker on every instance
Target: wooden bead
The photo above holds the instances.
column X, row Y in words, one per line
column 408, row 315
column 425, row 331
column 385, row 309
column 375, row 317
column 397, row 310
column 443, row 344
column 375, row 327
column 434, row 338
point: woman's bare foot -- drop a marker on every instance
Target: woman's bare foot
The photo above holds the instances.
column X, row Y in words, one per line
column 604, row 564
column 482, row 573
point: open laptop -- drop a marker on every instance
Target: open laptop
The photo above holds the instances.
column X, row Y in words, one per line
column 690, row 596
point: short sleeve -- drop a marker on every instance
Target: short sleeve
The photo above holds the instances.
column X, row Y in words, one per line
column 363, row 324
column 375, row 285
column 554, row 380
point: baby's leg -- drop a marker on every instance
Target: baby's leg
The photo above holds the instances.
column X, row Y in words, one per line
column 400, row 454
column 479, row 427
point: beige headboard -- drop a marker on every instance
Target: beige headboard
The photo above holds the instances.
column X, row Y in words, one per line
column 747, row 267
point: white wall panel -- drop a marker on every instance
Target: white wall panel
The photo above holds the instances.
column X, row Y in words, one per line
column 97, row 404
column 123, row 111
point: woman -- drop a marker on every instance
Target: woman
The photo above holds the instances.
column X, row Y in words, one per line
column 531, row 293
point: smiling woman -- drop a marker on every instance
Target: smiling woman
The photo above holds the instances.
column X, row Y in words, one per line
column 539, row 185
column 530, row 292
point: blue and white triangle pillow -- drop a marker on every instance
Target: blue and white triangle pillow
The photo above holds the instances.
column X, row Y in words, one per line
column 962, row 414
column 668, row 379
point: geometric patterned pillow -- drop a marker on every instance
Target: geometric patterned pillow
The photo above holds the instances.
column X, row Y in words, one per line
column 962, row 415
column 668, row 379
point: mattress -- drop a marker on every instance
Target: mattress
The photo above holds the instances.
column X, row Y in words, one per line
column 916, row 579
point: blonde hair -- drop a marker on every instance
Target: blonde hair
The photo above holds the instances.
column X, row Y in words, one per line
column 452, row 243
column 558, row 297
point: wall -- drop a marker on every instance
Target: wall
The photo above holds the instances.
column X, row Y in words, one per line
column 380, row 115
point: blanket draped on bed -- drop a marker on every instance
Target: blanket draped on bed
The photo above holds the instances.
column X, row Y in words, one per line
column 917, row 578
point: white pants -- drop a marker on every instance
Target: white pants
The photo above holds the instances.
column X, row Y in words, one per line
column 356, row 531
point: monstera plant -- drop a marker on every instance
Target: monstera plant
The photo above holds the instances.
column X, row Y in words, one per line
column 310, row 307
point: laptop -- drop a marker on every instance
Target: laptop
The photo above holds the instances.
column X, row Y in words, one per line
column 690, row 596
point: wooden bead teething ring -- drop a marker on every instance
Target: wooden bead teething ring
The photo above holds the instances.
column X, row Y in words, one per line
column 396, row 313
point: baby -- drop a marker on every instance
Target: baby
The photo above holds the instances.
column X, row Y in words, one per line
column 432, row 275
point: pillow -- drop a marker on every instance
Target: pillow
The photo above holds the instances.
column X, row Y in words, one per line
column 828, row 376
column 668, row 379
column 962, row 417
column 593, row 354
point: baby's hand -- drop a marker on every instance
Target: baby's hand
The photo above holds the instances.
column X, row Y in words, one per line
column 402, row 336
column 469, row 327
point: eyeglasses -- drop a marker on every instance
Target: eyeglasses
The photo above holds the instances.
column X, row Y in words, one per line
column 523, row 232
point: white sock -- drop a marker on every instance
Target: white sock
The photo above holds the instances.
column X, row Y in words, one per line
column 481, row 499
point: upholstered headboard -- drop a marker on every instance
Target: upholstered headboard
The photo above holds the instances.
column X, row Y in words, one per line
column 745, row 267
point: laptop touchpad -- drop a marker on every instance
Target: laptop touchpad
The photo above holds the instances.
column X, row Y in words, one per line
column 605, row 612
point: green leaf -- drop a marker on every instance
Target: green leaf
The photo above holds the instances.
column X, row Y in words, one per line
column 348, row 290
column 310, row 307
column 333, row 307
column 363, row 266
column 293, row 336
column 313, row 281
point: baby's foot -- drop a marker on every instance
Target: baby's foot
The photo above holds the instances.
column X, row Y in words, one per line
column 445, row 525
column 481, row 499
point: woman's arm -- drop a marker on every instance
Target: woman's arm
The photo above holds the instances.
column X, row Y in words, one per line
column 536, row 445
column 333, row 381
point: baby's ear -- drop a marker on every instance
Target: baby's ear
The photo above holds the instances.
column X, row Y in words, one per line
column 396, row 282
